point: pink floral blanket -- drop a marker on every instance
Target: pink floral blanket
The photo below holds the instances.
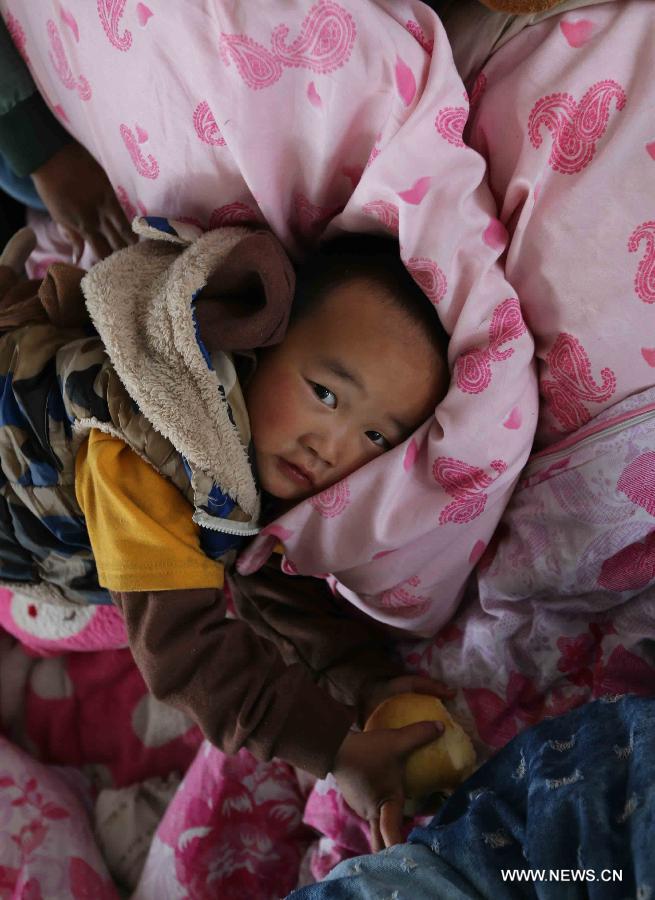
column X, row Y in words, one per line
column 562, row 605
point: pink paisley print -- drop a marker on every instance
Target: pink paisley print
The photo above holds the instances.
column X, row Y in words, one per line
column 477, row 90
column 332, row 501
column 385, row 212
column 325, row 42
column 409, row 460
column 429, row 277
column 205, row 125
column 417, row 32
column 70, row 21
column 111, row 12
column 473, row 368
column 62, row 66
column 403, row 599
column 633, row 567
column 312, row 218
column 146, row 166
column 256, row 65
column 467, row 485
column 450, row 124
column 577, row 33
column 637, row 482
column 236, row 213
column 375, row 152
column 571, row 383
column 405, row 82
column 17, row 35
column 143, row 14
column 124, row 200
column 575, row 127
column 130, row 209
column 645, row 277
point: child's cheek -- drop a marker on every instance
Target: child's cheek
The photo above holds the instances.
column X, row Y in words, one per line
column 281, row 415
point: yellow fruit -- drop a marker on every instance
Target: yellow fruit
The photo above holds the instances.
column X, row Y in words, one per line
column 438, row 766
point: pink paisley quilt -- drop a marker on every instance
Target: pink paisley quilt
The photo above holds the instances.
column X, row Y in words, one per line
column 308, row 114
column 562, row 607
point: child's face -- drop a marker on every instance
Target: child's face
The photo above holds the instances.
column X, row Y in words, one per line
column 352, row 378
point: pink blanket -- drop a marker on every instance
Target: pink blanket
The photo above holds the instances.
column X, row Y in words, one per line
column 563, row 605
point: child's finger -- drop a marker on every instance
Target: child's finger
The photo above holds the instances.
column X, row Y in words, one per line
column 391, row 822
column 411, row 737
column 376, row 837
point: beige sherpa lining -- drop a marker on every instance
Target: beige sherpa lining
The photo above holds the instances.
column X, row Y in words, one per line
column 140, row 302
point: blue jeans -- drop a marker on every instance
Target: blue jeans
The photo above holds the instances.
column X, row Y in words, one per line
column 570, row 804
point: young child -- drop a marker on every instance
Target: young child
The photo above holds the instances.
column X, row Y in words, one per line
column 127, row 470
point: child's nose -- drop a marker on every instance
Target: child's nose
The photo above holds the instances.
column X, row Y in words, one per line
column 325, row 445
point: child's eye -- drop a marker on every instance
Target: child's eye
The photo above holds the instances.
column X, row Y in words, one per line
column 324, row 395
column 378, row 439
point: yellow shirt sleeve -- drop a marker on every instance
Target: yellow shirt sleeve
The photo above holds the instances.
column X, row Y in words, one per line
column 140, row 526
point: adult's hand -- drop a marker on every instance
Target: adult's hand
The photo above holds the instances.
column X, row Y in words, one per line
column 80, row 198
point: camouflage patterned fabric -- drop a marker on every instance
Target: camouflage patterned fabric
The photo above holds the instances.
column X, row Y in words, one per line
column 55, row 385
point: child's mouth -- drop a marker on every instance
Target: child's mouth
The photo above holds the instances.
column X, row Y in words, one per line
column 295, row 473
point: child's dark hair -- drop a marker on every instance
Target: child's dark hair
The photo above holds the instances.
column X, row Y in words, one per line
column 375, row 260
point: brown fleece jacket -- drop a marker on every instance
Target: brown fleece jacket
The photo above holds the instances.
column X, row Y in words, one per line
column 266, row 681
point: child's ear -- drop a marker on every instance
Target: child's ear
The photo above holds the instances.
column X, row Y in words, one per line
column 521, row 7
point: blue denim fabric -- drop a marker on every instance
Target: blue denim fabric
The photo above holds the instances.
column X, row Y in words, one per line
column 575, row 794
column 21, row 189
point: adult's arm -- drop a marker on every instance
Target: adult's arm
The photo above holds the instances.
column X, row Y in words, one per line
column 73, row 186
column 29, row 133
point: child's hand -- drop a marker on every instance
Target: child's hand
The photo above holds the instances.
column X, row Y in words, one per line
column 369, row 770
column 405, row 684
